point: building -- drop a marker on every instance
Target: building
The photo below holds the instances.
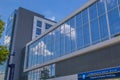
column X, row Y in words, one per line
column 23, row 26
column 2, row 75
column 83, row 46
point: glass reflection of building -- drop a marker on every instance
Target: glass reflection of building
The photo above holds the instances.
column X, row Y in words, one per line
column 8, row 38
column 9, row 30
column 96, row 23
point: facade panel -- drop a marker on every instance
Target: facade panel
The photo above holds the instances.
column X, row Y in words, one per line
column 94, row 60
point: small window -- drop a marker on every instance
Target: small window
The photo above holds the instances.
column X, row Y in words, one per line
column 39, row 23
column 101, row 7
column 47, row 26
column 38, row 31
column 93, row 11
column 85, row 16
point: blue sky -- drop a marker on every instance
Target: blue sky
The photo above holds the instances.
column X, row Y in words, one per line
column 57, row 9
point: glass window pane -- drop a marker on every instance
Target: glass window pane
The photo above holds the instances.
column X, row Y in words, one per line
column 101, row 7
column 72, row 23
column 33, row 55
column 53, row 70
column 47, row 52
column 73, row 40
column 57, row 33
column 57, row 48
column 47, row 26
column 53, row 43
column 80, row 40
column 85, row 16
column 38, row 31
column 62, row 44
column 41, row 56
column 67, row 27
column 114, row 22
column 93, row 11
column 39, row 23
column 95, row 31
column 86, row 35
column 111, row 4
column 103, row 27
column 119, row 9
column 30, row 56
column 79, row 20
column 67, row 43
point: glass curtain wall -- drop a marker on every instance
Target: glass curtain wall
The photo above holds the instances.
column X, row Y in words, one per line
column 42, row 73
column 98, row 22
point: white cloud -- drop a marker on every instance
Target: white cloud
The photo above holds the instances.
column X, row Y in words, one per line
column 38, row 49
column 67, row 28
column 7, row 40
column 53, row 18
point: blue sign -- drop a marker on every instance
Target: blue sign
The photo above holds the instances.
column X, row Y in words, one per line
column 100, row 74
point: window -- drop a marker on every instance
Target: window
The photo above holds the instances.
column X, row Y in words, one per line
column 67, row 43
column 62, row 44
column 44, row 72
column 73, row 40
column 57, row 33
column 38, row 31
column 47, row 26
column 40, row 56
column 80, row 40
column 85, row 16
column 53, row 70
column 30, row 56
column 72, row 23
column 57, row 48
column 79, row 20
column 53, row 44
column 39, row 23
column 62, row 40
column 101, row 7
column 86, row 35
column 93, row 11
column 95, row 31
column 103, row 27
column 111, row 4
column 47, row 47
column 114, row 22
column 67, row 27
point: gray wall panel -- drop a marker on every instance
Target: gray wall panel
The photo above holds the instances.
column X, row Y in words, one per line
column 23, row 34
column 103, row 58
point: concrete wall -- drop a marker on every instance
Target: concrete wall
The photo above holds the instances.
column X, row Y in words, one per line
column 22, row 35
column 99, row 59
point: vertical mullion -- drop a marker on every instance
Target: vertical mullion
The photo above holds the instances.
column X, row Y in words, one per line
column 98, row 22
column 118, row 7
column 83, row 31
column 89, row 26
column 75, row 34
column 64, row 38
column 108, row 26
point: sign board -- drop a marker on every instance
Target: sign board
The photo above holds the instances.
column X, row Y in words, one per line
column 100, row 74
